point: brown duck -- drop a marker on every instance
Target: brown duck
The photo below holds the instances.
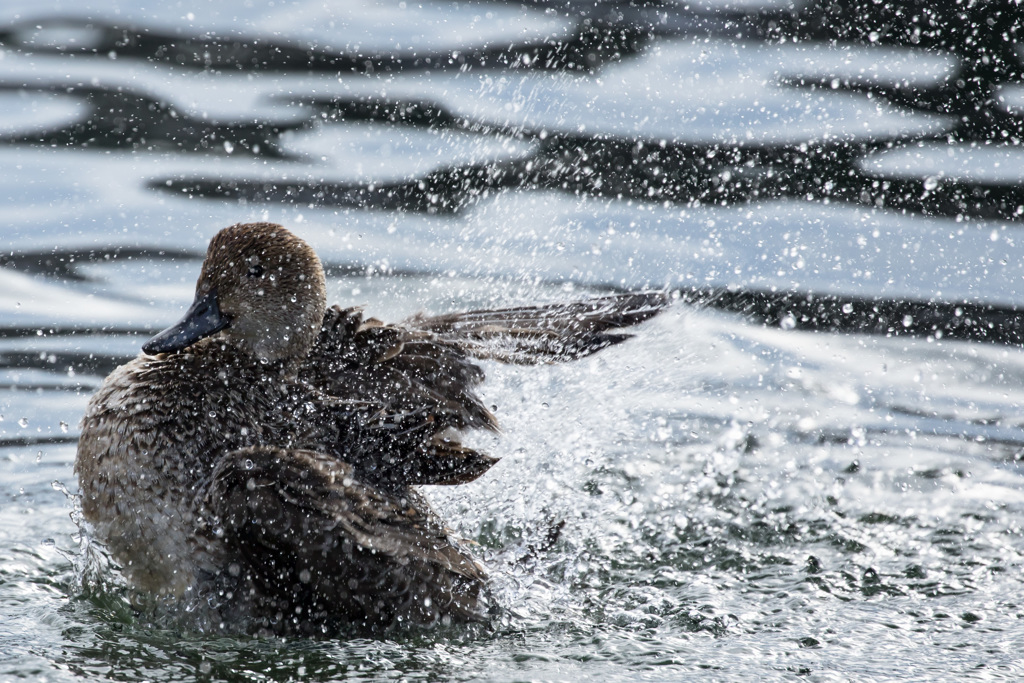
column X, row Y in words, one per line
column 259, row 459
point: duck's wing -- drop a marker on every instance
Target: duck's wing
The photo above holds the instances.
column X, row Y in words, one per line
column 404, row 370
column 544, row 334
column 388, row 446
column 417, row 380
column 307, row 541
column 399, row 399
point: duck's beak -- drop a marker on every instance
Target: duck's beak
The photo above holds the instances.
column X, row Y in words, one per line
column 202, row 319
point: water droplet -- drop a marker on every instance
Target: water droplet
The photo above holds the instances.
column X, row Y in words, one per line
column 788, row 322
column 63, row 426
column 229, row 147
column 23, row 422
column 249, row 464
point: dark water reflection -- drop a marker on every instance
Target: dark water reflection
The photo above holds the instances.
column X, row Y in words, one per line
column 979, row 41
column 734, row 500
column 968, row 95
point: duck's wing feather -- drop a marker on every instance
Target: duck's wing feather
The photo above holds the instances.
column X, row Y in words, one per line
column 399, row 399
column 388, row 447
column 406, row 370
column 544, row 334
column 310, row 541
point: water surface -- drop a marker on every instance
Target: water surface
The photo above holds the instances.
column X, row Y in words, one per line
column 738, row 497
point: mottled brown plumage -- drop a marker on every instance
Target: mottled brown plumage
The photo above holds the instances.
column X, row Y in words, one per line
column 259, row 459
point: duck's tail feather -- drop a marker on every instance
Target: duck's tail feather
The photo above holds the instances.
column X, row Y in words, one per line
column 544, row 334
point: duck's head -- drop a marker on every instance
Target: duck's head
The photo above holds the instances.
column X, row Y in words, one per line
column 261, row 287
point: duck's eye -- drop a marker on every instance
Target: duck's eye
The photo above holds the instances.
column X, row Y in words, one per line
column 255, row 270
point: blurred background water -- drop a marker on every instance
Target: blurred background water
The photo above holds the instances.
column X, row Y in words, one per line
column 808, row 468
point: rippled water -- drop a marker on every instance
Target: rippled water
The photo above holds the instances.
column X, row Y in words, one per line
column 735, row 499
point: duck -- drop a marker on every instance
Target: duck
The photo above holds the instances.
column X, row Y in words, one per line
column 260, row 461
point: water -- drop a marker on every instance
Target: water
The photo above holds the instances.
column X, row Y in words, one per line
column 737, row 498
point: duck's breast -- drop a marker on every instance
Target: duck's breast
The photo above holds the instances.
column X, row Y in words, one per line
column 150, row 436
